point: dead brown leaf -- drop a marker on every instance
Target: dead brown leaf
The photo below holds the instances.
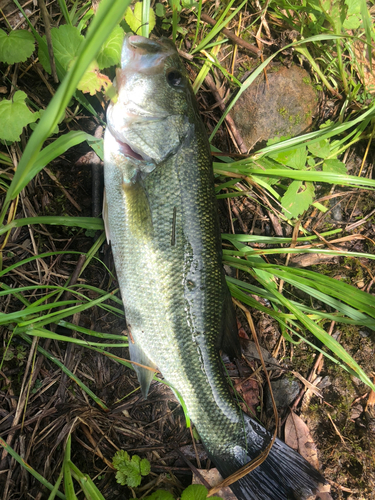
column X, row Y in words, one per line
column 324, row 492
column 249, row 390
column 298, row 437
column 213, row 477
column 361, row 53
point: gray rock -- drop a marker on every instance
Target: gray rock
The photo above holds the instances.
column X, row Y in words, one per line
column 284, row 391
column 283, row 106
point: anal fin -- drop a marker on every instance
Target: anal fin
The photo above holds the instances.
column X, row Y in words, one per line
column 229, row 341
column 144, row 375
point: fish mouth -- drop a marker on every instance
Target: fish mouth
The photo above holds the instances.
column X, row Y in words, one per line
column 129, row 150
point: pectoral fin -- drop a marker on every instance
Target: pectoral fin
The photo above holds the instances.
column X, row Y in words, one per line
column 144, row 376
column 139, row 212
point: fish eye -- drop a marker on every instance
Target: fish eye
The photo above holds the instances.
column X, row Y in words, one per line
column 174, row 78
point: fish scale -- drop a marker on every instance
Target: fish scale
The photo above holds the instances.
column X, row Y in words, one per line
column 161, row 218
column 174, row 312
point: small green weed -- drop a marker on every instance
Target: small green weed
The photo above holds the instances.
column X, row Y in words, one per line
column 130, row 470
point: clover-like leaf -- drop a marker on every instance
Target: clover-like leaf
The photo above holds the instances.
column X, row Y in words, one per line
column 110, row 53
column 16, row 47
column 297, row 198
column 134, row 18
column 66, row 40
column 14, row 115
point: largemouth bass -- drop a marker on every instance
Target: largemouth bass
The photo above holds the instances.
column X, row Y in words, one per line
column 161, row 218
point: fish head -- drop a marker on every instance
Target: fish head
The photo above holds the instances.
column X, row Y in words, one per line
column 155, row 108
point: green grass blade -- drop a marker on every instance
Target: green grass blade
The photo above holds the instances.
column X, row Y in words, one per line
column 35, row 257
column 222, row 22
column 86, row 331
column 57, row 315
column 68, row 479
column 273, row 240
column 316, row 330
column 71, row 375
column 5, row 160
column 145, row 18
column 198, row 21
column 54, row 220
column 347, row 293
column 259, row 70
column 300, row 175
column 107, row 17
column 30, row 311
column 312, row 137
column 56, row 487
column 88, row 487
column 47, row 334
column 29, row 469
column 322, row 335
column 55, row 149
column 64, row 11
column 357, row 318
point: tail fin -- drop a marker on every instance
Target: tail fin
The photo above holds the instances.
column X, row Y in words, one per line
column 284, row 475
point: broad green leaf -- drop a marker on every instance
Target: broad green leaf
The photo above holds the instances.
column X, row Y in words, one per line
column 334, row 166
column 196, row 492
column 320, row 149
column 189, row 4
column 66, row 41
column 160, row 12
column 16, row 47
column 108, row 15
column 110, row 53
column 297, row 198
column 294, row 158
column 93, row 81
column 145, row 467
column 160, row 495
column 14, row 115
column 353, row 17
column 134, row 18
